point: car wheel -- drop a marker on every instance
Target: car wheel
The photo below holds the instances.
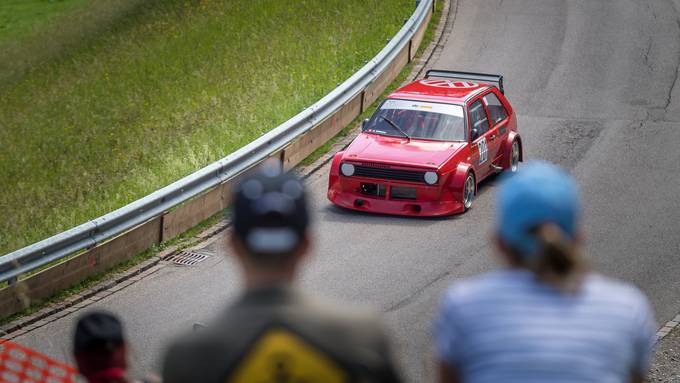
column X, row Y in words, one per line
column 469, row 191
column 514, row 156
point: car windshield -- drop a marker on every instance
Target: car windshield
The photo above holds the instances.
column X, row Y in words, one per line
column 419, row 120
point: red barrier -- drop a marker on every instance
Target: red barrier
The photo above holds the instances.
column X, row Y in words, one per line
column 19, row 364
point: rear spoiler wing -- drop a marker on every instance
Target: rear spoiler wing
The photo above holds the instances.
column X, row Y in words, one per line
column 493, row 78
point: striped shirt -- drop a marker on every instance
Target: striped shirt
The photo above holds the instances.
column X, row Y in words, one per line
column 505, row 326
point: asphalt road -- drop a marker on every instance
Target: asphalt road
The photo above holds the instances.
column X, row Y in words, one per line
column 594, row 84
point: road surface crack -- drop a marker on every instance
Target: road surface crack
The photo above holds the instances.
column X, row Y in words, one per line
column 670, row 91
column 412, row 297
column 651, row 10
column 646, row 57
column 675, row 79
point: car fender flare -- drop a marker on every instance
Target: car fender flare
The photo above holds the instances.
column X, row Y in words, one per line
column 458, row 180
column 335, row 164
column 507, row 147
column 334, row 173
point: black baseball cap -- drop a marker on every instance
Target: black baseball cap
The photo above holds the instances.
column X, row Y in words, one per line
column 270, row 210
column 98, row 331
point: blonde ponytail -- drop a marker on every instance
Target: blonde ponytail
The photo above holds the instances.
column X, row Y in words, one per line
column 559, row 262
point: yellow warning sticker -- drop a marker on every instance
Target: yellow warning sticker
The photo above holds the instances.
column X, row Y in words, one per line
column 282, row 357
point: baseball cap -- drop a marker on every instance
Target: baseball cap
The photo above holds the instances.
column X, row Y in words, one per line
column 97, row 331
column 99, row 347
column 538, row 193
column 270, row 210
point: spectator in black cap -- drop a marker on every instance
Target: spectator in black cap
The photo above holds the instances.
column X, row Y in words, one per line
column 99, row 348
column 273, row 332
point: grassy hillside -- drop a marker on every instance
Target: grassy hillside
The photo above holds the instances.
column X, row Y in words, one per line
column 19, row 18
column 36, row 32
column 167, row 88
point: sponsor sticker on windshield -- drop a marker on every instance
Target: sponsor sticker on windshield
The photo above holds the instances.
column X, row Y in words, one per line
column 452, row 110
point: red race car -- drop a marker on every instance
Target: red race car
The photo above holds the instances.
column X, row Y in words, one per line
column 428, row 146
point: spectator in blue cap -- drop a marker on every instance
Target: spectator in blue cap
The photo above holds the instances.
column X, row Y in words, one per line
column 543, row 316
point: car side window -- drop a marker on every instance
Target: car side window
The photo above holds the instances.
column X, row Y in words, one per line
column 479, row 123
column 496, row 109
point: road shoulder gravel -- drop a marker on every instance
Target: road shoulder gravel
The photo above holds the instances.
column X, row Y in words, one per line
column 666, row 366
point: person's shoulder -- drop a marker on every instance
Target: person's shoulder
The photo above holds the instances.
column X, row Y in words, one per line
column 600, row 286
column 354, row 333
column 178, row 357
column 294, row 304
column 188, row 346
column 338, row 312
column 487, row 284
column 193, row 356
column 308, row 313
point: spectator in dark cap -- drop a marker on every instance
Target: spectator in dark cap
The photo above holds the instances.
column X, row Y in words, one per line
column 274, row 332
column 99, row 348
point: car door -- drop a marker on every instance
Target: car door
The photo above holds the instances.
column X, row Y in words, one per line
column 498, row 119
column 478, row 131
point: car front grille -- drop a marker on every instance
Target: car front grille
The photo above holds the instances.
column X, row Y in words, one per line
column 383, row 172
column 401, row 192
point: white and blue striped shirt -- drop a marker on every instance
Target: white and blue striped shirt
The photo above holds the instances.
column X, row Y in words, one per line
column 505, row 326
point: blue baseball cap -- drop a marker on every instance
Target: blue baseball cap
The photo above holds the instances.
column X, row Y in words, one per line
column 538, row 193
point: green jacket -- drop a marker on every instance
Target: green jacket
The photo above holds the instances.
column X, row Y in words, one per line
column 280, row 335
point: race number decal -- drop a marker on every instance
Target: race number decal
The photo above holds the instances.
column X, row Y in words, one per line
column 483, row 151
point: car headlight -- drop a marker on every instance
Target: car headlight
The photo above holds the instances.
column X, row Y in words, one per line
column 431, row 178
column 347, row 169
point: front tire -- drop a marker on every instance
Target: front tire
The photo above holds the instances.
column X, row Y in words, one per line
column 514, row 157
column 469, row 189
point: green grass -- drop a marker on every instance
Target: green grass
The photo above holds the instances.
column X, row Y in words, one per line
column 162, row 89
column 427, row 38
column 19, row 18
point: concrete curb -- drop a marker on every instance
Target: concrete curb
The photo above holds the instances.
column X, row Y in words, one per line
column 77, row 301
column 667, row 328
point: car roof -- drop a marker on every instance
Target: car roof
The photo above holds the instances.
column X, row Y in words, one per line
column 440, row 90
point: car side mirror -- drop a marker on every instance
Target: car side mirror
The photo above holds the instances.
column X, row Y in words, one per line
column 364, row 123
column 475, row 133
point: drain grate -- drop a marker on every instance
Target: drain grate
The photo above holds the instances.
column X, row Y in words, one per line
column 188, row 258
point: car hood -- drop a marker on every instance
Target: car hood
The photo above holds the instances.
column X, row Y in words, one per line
column 399, row 151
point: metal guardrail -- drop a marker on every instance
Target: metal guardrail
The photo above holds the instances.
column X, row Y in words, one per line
column 108, row 226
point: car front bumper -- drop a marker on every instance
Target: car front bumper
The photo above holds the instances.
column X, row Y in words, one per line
column 429, row 201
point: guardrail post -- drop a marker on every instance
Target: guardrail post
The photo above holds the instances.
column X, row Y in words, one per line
column 410, row 46
column 162, row 227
